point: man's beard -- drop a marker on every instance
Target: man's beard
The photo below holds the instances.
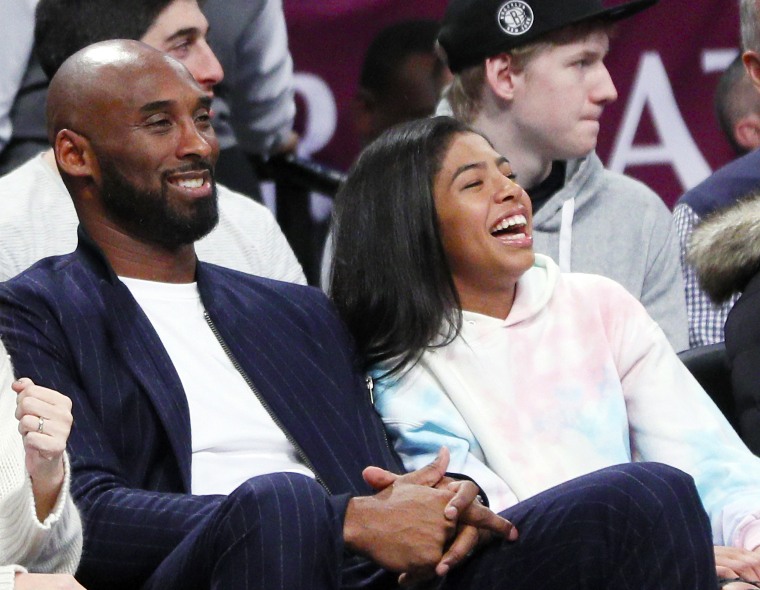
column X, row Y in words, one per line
column 149, row 216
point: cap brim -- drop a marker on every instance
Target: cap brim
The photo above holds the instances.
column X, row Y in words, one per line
column 625, row 10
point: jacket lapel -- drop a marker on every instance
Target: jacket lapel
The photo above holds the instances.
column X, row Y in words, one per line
column 138, row 346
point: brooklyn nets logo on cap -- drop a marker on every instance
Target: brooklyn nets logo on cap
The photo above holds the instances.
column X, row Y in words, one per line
column 515, row 17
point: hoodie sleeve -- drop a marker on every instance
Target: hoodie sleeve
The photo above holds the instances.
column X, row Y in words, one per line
column 672, row 420
column 421, row 419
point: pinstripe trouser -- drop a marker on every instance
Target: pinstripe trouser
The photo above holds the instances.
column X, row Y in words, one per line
column 637, row 526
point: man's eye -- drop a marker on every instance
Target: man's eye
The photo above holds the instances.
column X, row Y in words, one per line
column 180, row 49
column 203, row 120
column 158, row 123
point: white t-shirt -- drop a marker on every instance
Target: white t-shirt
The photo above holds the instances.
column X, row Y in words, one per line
column 233, row 436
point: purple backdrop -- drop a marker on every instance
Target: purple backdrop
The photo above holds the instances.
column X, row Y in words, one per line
column 665, row 63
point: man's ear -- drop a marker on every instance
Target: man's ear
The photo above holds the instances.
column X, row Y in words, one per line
column 747, row 132
column 500, row 75
column 751, row 61
column 362, row 112
column 73, row 154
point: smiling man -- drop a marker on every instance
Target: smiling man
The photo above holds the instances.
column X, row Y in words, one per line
column 39, row 219
column 530, row 75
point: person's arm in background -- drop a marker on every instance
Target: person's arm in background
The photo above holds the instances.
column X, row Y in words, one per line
column 662, row 293
column 40, row 530
column 16, row 43
column 251, row 41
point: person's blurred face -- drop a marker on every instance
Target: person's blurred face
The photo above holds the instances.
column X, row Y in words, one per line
column 180, row 30
column 484, row 216
column 414, row 94
column 156, row 149
column 560, row 95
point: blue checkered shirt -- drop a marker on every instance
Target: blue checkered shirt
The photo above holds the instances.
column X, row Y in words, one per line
column 706, row 320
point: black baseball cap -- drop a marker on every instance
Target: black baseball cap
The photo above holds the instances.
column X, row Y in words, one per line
column 473, row 30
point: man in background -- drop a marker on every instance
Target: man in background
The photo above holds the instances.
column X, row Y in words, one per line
column 401, row 79
column 530, row 75
column 39, row 219
column 718, row 191
column 737, row 107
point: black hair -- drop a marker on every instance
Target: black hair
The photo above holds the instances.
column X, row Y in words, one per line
column 391, row 47
column 63, row 27
column 390, row 279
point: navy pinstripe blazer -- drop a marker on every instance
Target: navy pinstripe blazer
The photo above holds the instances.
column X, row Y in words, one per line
column 71, row 325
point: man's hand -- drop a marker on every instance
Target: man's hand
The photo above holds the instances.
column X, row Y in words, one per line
column 475, row 523
column 734, row 562
column 45, row 422
column 403, row 527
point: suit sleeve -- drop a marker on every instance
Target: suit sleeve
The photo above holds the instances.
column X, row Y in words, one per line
column 672, row 420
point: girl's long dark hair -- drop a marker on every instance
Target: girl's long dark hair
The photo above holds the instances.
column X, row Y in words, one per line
column 390, row 280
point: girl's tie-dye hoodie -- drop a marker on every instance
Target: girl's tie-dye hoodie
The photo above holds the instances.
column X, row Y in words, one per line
column 576, row 378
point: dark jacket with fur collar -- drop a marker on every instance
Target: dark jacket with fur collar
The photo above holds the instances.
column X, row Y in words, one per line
column 725, row 250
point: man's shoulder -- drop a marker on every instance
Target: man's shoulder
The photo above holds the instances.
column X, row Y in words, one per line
column 588, row 176
column 248, row 238
column 237, row 298
column 724, row 186
column 30, row 175
column 37, row 212
column 241, row 284
column 631, row 189
column 238, row 206
column 623, row 194
column 49, row 281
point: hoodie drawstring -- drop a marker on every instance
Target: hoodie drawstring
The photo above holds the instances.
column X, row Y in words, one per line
column 566, row 235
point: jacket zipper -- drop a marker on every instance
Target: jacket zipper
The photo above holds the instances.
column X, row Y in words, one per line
column 263, row 402
column 371, row 389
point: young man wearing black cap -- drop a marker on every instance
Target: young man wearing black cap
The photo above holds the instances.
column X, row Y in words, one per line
column 530, row 75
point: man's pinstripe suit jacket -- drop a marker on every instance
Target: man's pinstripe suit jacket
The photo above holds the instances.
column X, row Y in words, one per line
column 71, row 325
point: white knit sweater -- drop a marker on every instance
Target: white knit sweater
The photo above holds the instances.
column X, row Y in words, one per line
column 52, row 546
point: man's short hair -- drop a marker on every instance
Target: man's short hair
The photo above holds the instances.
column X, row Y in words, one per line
column 750, row 27
column 63, row 27
column 735, row 97
column 390, row 49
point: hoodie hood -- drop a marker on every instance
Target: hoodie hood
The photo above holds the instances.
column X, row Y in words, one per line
column 725, row 249
column 534, row 290
column 555, row 217
column 578, row 174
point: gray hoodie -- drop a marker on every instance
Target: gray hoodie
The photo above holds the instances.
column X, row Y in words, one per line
column 609, row 224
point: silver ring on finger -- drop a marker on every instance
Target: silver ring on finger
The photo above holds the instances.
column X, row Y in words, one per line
column 41, row 425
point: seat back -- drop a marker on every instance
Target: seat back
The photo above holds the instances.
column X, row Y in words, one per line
column 709, row 365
